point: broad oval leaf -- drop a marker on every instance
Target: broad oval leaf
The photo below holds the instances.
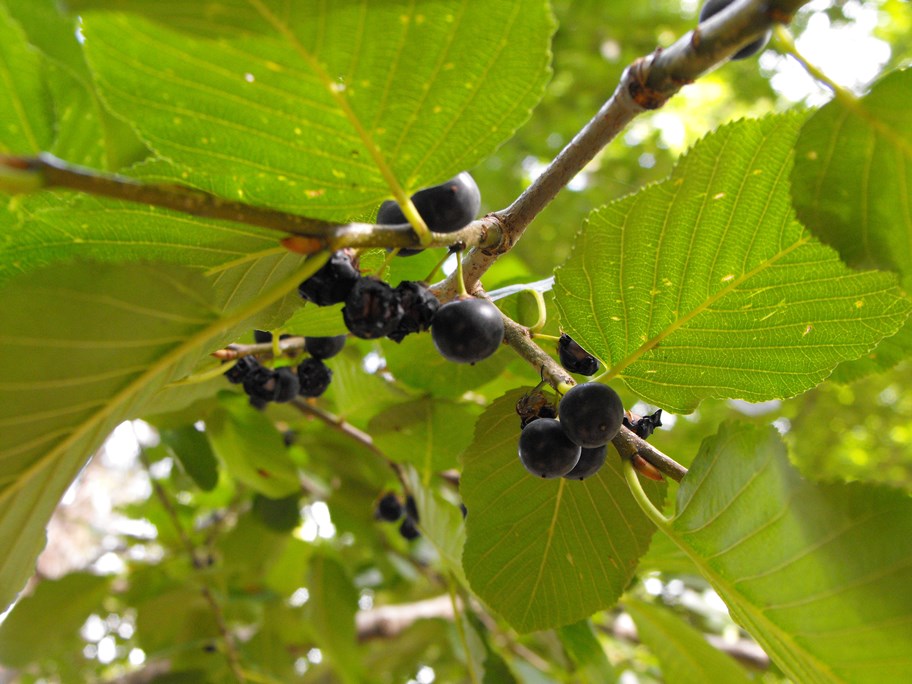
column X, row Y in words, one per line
column 320, row 109
column 706, row 286
column 545, row 553
column 817, row 573
column 851, row 181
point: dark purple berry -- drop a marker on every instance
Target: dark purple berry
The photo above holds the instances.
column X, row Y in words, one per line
column 314, row 377
column 371, row 309
column 324, row 347
column 591, row 414
column 574, row 358
column 644, row 426
column 264, row 336
column 411, row 509
column 389, row 508
column 712, row 7
column 332, row 283
column 240, row 370
column 408, row 529
column 545, row 450
column 467, row 330
column 287, row 384
column 261, row 383
column 258, row 403
column 419, row 306
column 589, row 463
column 445, row 208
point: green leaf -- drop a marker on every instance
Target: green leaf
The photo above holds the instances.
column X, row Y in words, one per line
column 304, row 113
column 317, row 321
column 107, row 339
column 545, row 553
column 883, row 357
column 45, row 625
column 191, row 448
column 441, row 523
column 428, row 433
column 584, row 649
column 817, row 573
column 706, row 286
column 25, row 108
column 683, row 653
column 251, row 447
column 851, row 181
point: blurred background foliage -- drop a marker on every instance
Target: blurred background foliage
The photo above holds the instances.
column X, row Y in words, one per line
column 290, row 596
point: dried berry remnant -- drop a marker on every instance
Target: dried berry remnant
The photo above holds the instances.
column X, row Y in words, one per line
column 371, row 309
column 241, row 369
column 332, row 283
column 445, row 208
column 467, row 330
column 314, row 377
column 645, row 425
column 419, row 306
column 534, row 405
column 574, row 358
column 389, row 508
column 712, row 7
column 591, row 414
column 545, row 451
column 260, row 383
column 287, row 385
column 591, row 460
column 324, row 347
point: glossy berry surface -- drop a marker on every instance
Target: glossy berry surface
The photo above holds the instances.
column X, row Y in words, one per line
column 591, row 414
column 419, row 306
column 332, row 283
column 389, row 508
column 445, row 208
column 313, row 377
column 574, row 358
column 467, row 330
column 712, row 7
column 371, row 309
column 591, row 460
column 241, row 369
column 545, row 451
column 324, row 347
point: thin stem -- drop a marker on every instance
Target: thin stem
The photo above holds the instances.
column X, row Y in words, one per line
column 460, row 279
column 386, row 262
column 787, row 42
column 542, row 312
column 430, row 276
column 230, row 649
column 653, row 513
column 627, row 444
column 264, row 350
column 545, row 338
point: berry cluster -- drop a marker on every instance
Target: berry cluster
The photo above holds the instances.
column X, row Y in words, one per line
column 575, row 446
column 391, row 509
column 310, row 378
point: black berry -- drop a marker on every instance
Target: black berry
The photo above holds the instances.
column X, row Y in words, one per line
column 287, row 384
column 545, row 450
column 712, row 7
column 371, row 309
column 408, row 529
column 419, row 306
column 314, row 377
column 324, row 347
column 264, row 336
column 591, row 414
column 389, row 508
column 332, row 283
column 240, row 370
column 467, row 330
column 445, row 208
column 589, row 463
column 574, row 358
column 260, row 383
column 411, row 509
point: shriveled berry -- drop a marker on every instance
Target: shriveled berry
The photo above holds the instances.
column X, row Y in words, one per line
column 591, row 414
column 389, row 508
column 712, row 7
column 574, row 358
column 287, row 384
column 371, row 309
column 314, row 377
column 332, row 283
column 545, row 450
column 324, row 347
column 241, row 368
column 589, row 463
column 467, row 330
column 534, row 405
column 419, row 306
column 261, row 383
column 644, row 426
column 408, row 529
